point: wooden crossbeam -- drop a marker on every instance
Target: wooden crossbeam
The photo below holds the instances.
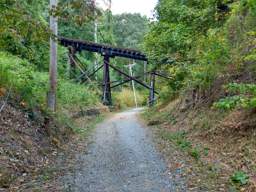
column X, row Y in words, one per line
column 124, row 81
column 75, row 61
column 111, row 51
column 121, row 83
column 161, row 75
column 132, row 78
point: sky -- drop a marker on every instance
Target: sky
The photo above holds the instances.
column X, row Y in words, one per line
column 144, row 7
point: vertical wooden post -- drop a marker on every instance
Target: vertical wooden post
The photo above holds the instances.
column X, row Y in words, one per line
column 145, row 70
column 51, row 97
column 106, row 98
column 152, row 89
column 71, row 53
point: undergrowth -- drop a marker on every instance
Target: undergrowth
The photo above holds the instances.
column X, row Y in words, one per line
column 26, row 88
column 125, row 98
column 179, row 138
column 30, row 86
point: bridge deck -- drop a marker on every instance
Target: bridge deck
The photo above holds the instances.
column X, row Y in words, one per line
column 80, row 45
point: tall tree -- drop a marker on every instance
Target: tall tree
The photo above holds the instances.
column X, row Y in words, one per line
column 129, row 29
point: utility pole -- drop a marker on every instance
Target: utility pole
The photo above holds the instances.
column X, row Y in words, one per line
column 109, row 22
column 95, row 35
column 133, row 85
column 51, row 97
column 110, row 5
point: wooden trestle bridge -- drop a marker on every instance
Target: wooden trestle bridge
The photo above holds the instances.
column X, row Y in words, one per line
column 108, row 52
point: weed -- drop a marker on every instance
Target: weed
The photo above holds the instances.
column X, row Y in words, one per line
column 195, row 152
column 184, row 144
column 173, row 136
column 205, row 124
column 173, row 120
column 240, row 177
column 179, row 138
column 48, row 173
column 206, row 151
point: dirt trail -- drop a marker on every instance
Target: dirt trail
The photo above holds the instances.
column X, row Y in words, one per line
column 120, row 158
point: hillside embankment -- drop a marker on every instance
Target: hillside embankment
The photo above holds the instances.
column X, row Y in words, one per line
column 36, row 146
column 215, row 148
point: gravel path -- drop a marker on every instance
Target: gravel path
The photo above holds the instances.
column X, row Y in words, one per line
column 121, row 158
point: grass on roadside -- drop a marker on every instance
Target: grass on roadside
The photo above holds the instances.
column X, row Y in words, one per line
column 86, row 126
column 180, row 140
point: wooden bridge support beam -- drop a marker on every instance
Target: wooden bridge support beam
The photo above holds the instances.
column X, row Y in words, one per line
column 145, row 71
column 152, row 89
column 106, row 98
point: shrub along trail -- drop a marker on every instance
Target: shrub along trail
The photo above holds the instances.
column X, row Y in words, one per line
column 121, row 157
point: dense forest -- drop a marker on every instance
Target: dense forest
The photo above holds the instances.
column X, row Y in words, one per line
column 206, row 108
column 204, row 45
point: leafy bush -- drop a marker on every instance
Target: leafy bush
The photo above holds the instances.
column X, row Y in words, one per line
column 240, row 178
column 70, row 93
column 203, row 40
column 32, row 86
column 245, row 97
column 16, row 74
column 211, row 56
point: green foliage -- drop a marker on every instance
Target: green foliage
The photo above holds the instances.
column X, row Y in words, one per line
column 31, row 85
column 180, row 139
column 196, row 42
column 206, row 151
column 229, row 103
column 125, row 98
column 106, row 28
column 236, row 88
column 240, row 177
column 211, row 55
column 178, row 75
column 16, row 74
column 241, row 27
column 24, row 27
column 194, row 152
column 24, row 30
column 179, row 24
column 77, row 11
column 70, row 93
column 129, row 29
column 245, row 97
column 124, row 30
column 251, row 54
